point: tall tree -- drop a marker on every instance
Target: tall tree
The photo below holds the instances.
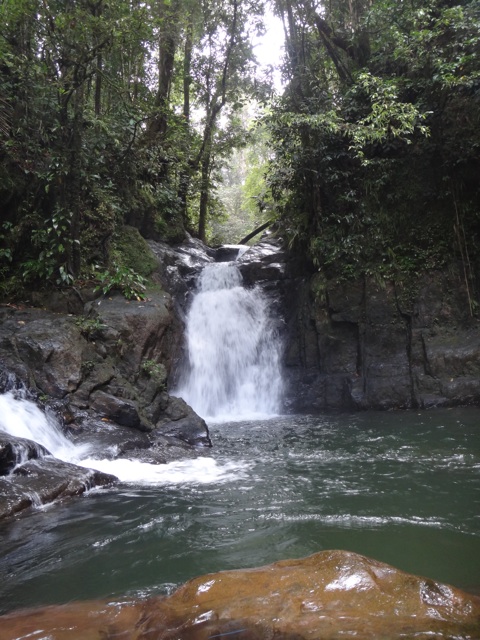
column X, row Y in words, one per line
column 221, row 74
column 362, row 174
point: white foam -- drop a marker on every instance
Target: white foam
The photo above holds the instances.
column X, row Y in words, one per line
column 191, row 471
column 22, row 418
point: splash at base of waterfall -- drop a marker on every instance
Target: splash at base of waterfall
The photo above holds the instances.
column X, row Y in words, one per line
column 21, row 418
column 234, row 350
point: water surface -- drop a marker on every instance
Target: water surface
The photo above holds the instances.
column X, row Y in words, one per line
column 403, row 488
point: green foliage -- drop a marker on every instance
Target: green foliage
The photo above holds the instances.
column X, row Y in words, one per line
column 156, row 371
column 89, row 327
column 53, row 245
column 126, row 114
column 388, row 118
column 6, row 249
column 377, row 138
column 88, row 366
column 243, row 190
column 110, row 116
column 124, row 279
column 132, row 251
column 72, row 113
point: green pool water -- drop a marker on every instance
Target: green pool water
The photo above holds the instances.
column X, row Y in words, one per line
column 403, row 488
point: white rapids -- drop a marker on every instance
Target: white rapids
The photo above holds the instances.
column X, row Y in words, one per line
column 22, row 418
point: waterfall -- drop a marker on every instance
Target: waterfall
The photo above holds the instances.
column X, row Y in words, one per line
column 234, row 350
column 22, row 418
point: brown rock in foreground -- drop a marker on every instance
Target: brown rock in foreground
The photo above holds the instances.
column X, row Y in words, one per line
column 328, row 596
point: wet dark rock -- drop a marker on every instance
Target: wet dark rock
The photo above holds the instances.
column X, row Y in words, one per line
column 134, row 331
column 228, row 252
column 68, row 301
column 181, row 422
column 179, row 266
column 103, row 375
column 361, row 345
column 192, row 430
column 163, row 449
column 53, row 349
column 104, row 438
column 120, row 411
column 14, row 451
column 264, row 262
column 43, row 480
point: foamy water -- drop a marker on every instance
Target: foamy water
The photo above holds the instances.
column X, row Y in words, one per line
column 234, row 351
column 22, row 418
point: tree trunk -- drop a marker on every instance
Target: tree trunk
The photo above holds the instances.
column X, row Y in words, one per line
column 204, row 195
column 98, row 85
column 167, row 45
column 185, row 174
column 97, row 12
column 187, row 64
column 74, row 184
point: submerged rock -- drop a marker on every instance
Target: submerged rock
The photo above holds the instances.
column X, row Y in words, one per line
column 327, row 596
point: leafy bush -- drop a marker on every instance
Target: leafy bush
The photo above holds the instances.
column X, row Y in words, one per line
column 131, row 284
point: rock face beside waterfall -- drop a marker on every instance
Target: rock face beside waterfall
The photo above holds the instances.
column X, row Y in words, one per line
column 327, row 596
column 103, row 373
column 360, row 345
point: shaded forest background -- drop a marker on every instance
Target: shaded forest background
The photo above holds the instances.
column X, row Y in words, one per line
column 150, row 115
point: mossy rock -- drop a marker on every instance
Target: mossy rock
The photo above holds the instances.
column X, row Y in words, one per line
column 133, row 251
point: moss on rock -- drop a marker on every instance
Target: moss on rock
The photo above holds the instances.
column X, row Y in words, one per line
column 132, row 251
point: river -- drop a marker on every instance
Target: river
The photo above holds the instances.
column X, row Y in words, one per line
column 400, row 487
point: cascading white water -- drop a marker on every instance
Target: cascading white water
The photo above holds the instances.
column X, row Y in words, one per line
column 22, row 418
column 234, row 350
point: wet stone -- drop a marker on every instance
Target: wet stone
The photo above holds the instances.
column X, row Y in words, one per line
column 328, row 596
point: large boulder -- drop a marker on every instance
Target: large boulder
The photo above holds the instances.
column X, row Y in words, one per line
column 135, row 330
column 179, row 266
column 32, row 477
column 180, row 421
column 103, row 374
column 264, row 263
column 327, row 596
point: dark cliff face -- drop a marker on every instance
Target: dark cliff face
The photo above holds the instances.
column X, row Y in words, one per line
column 361, row 345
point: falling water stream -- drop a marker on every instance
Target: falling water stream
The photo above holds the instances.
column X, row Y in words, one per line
column 233, row 348
column 400, row 487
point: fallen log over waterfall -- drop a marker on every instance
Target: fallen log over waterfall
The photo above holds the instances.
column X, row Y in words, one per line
column 256, row 231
